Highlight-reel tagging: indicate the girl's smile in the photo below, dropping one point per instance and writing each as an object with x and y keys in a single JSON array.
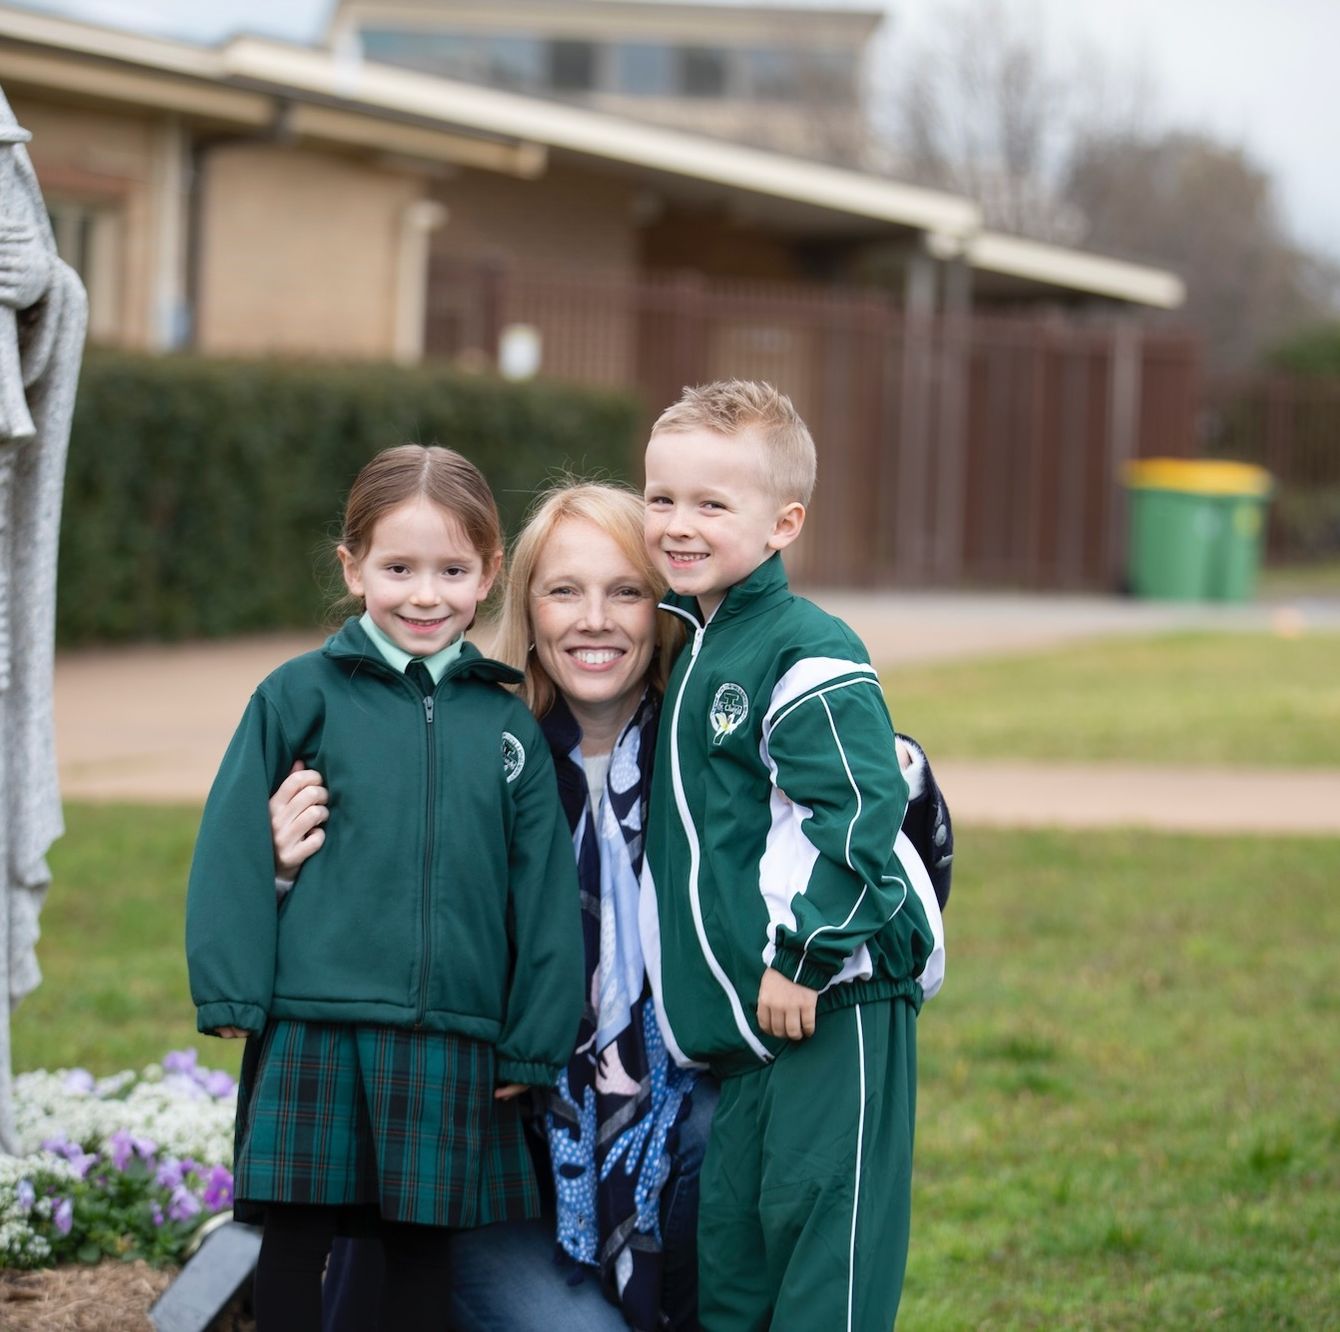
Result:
[{"x": 421, "y": 578}]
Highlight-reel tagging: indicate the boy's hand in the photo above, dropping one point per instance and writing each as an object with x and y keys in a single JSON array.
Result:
[
  {"x": 785, "y": 1008},
  {"x": 232, "y": 1033},
  {"x": 509, "y": 1090}
]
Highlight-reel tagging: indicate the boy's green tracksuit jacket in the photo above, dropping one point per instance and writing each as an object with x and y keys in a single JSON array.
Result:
[
  {"x": 774, "y": 813},
  {"x": 445, "y": 896}
]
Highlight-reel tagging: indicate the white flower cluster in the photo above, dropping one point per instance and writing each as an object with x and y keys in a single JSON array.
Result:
[
  {"x": 24, "y": 1197},
  {"x": 172, "y": 1109},
  {"x": 80, "y": 1132}
]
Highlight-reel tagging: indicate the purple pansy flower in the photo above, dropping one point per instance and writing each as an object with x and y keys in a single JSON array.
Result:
[
  {"x": 169, "y": 1174},
  {"x": 26, "y": 1195},
  {"x": 219, "y": 1084},
  {"x": 63, "y": 1217},
  {"x": 179, "y": 1061},
  {"x": 156, "y": 1212},
  {"x": 122, "y": 1147},
  {"x": 219, "y": 1189},
  {"x": 82, "y": 1162},
  {"x": 183, "y": 1204}
]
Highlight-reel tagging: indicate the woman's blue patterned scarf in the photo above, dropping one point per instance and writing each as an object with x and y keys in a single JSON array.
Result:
[{"x": 617, "y": 1102}]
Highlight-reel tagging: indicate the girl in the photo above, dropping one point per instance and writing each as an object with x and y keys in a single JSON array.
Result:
[{"x": 431, "y": 968}]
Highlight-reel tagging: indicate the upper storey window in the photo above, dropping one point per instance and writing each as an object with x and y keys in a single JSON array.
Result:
[{"x": 572, "y": 66}]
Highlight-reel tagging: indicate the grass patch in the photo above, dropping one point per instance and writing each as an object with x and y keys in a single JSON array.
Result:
[
  {"x": 114, "y": 991},
  {"x": 1237, "y": 699},
  {"x": 1127, "y": 1111}
]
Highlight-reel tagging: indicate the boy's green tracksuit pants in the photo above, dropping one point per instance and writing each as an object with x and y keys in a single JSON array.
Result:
[{"x": 806, "y": 1185}]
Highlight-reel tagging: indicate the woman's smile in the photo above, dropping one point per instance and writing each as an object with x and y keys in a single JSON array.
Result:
[
  {"x": 593, "y": 620},
  {"x": 596, "y": 658}
]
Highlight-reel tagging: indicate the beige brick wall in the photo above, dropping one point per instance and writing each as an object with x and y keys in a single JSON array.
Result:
[
  {"x": 102, "y": 159},
  {"x": 300, "y": 252},
  {"x": 567, "y": 224},
  {"x": 566, "y": 219}
]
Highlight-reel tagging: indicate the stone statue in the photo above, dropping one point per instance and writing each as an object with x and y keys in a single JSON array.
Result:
[{"x": 43, "y": 314}]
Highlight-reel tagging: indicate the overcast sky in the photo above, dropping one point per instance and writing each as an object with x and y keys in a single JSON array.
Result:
[{"x": 1262, "y": 73}]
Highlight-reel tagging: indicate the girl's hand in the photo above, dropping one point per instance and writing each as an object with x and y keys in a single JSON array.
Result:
[
  {"x": 297, "y": 811},
  {"x": 509, "y": 1090},
  {"x": 232, "y": 1033}
]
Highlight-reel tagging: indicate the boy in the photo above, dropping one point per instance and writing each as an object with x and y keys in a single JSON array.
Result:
[{"x": 794, "y": 947}]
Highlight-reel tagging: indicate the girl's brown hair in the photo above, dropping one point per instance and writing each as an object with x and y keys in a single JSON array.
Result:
[
  {"x": 618, "y": 513},
  {"x": 410, "y": 470}
]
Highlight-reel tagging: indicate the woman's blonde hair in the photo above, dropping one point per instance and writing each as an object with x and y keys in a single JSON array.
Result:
[{"x": 617, "y": 512}]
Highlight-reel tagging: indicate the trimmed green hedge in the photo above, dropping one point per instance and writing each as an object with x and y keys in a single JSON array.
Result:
[{"x": 201, "y": 495}]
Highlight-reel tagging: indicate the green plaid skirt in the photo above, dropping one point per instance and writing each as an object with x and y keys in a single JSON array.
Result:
[{"x": 380, "y": 1117}]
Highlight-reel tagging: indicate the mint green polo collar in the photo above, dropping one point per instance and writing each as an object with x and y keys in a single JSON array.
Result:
[{"x": 398, "y": 659}]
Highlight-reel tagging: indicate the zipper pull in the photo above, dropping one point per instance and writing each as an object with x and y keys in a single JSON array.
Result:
[
  {"x": 428, "y": 708},
  {"x": 697, "y": 643}
]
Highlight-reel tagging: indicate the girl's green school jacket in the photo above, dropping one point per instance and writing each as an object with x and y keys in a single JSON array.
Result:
[{"x": 445, "y": 896}]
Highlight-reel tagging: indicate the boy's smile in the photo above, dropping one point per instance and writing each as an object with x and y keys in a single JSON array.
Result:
[{"x": 712, "y": 517}]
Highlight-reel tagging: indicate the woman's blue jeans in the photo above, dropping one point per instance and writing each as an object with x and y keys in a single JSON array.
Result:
[{"x": 504, "y": 1278}]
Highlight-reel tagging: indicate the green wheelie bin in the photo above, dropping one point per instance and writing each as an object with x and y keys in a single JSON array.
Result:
[{"x": 1197, "y": 527}]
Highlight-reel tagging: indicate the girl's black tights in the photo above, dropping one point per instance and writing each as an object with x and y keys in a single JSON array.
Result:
[{"x": 414, "y": 1294}]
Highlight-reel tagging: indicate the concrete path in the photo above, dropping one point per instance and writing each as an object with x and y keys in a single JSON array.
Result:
[{"x": 151, "y": 723}]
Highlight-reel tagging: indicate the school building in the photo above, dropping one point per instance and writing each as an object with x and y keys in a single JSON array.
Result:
[{"x": 515, "y": 196}]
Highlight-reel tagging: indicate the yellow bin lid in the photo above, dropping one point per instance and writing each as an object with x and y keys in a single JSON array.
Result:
[{"x": 1198, "y": 476}]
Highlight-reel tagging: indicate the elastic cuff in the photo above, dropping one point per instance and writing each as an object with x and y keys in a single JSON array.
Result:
[
  {"x": 529, "y": 1072},
  {"x": 803, "y": 970},
  {"x": 223, "y": 1013}
]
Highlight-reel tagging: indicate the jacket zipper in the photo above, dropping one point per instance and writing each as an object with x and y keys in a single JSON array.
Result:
[
  {"x": 427, "y": 957},
  {"x": 695, "y": 855}
]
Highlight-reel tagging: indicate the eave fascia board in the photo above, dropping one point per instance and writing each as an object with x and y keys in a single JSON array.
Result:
[
  {"x": 373, "y": 87},
  {"x": 137, "y": 87},
  {"x": 1075, "y": 270},
  {"x": 61, "y": 34}
]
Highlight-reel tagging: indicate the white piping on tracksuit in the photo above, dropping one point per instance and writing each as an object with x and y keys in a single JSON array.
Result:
[
  {"x": 695, "y": 859},
  {"x": 788, "y": 858}
]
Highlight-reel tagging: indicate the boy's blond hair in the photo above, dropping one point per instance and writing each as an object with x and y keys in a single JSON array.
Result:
[{"x": 732, "y": 406}]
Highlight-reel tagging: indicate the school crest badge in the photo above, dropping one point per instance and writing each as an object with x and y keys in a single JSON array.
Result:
[
  {"x": 729, "y": 709},
  {"x": 514, "y": 756}
]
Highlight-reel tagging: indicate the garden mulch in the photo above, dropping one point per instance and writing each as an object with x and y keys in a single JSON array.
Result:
[
  {"x": 81, "y": 1299},
  {"x": 108, "y": 1297}
]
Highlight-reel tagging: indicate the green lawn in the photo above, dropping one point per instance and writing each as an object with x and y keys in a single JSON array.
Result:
[
  {"x": 1128, "y": 1107},
  {"x": 1241, "y": 699},
  {"x": 114, "y": 970},
  {"x": 1128, "y": 1099}
]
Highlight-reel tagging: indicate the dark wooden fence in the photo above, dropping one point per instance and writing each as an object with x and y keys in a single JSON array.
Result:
[
  {"x": 1291, "y": 426},
  {"x": 953, "y": 451}
]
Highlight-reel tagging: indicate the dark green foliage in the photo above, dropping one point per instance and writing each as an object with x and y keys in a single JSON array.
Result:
[
  {"x": 1314, "y": 351},
  {"x": 202, "y": 496}
]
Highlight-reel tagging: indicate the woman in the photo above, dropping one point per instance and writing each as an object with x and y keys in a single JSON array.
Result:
[{"x": 624, "y": 1128}]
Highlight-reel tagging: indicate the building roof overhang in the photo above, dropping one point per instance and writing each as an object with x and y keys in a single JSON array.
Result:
[{"x": 303, "y": 90}]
